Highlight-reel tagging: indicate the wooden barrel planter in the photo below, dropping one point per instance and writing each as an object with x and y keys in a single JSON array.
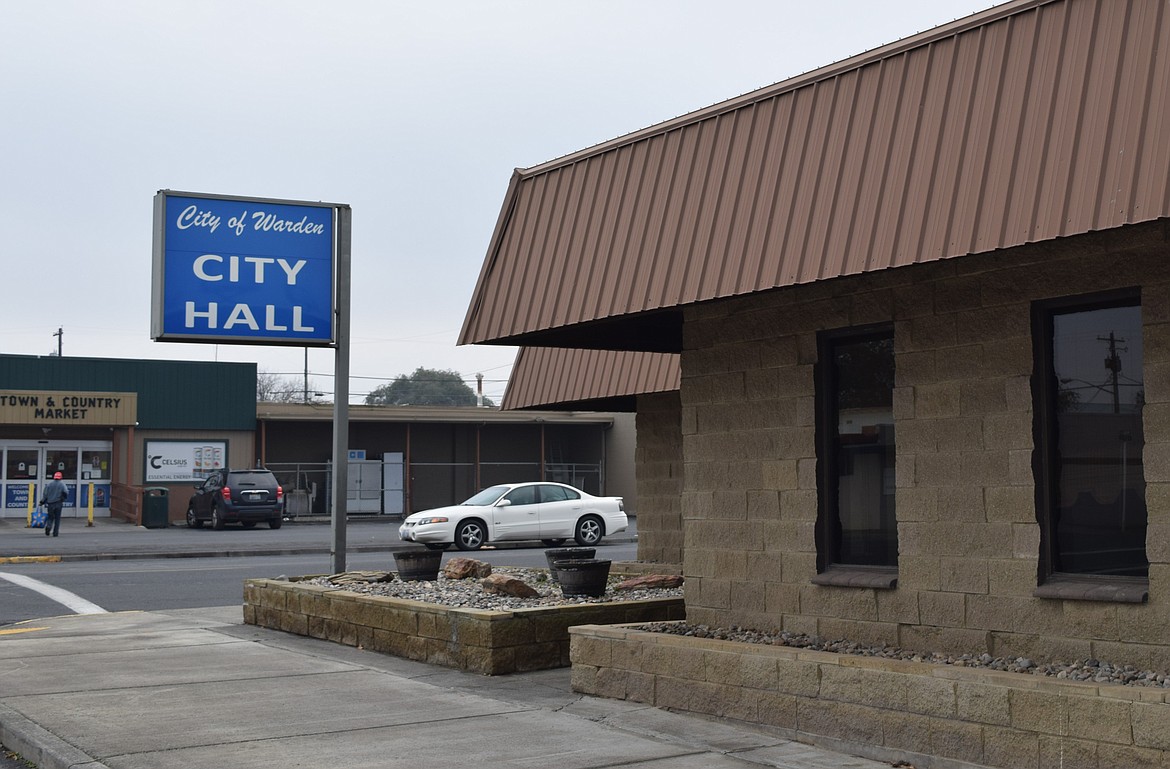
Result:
[
  {"x": 566, "y": 554},
  {"x": 418, "y": 565},
  {"x": 584, "y": 577}
]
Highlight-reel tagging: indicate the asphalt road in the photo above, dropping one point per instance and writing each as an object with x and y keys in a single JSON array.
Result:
[
  {"x": 162, "y": 584},
  {"x": 119, "y": 567}
]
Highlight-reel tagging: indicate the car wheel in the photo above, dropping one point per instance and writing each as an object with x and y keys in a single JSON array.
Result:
[
  {"x": 248, "y": 524},
  {"x": 553, "y": 542},
  {"x": 436, "y": 545},
  {"x": 274, "y": 523},
  {"x": 470, "y": 535},
  {"x": 192, "y": 521},
  {"x": 217, "y": 521},
  {"x": 589, "y": 531}
]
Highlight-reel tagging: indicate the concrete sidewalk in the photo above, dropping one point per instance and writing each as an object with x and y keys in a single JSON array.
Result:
[{"x": 196, "y": 688}]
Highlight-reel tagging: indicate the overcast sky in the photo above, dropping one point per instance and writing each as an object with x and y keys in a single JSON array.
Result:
[{"x": 413, "y": 113}]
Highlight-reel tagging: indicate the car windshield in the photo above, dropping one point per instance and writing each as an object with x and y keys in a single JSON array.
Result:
[{"x": 488, "y": 496}]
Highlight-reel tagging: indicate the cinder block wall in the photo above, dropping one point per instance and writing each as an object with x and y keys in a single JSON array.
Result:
[
  {"x": 659, "y": 463},
  {"x": 900, "y": 712},
  {"x": 967, "y": 529}
]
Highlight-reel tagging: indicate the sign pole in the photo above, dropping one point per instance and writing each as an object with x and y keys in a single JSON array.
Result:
[
  {"x": 290, "y": 287},
  {"x": 341, "y": 394}
]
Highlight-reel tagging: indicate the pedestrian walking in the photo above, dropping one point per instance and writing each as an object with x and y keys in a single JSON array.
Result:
[{"x": 53, "y": 498}]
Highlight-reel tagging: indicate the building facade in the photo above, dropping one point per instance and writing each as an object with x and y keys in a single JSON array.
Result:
[
  {"x": 117, "y": 428},
  {"x": 919, "y": 303},
  {"x": 914, "y": 322},
  {"x": 902, "y": 462},
  {"x": 409, "y": 458},
  {"x": 113, "y": 427}
]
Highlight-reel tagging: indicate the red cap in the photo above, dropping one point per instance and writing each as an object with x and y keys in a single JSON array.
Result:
[{"x": 57, "y": 476}]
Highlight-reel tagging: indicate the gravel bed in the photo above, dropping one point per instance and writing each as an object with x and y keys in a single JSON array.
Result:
[
  {"x": 1090, "y": 670},
  {"x": 467, "y": 593}
]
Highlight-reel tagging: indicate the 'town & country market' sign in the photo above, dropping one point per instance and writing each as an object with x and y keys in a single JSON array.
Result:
[
  {"x": 67, "y": 407},
  {"x": 244, "y": 270}
]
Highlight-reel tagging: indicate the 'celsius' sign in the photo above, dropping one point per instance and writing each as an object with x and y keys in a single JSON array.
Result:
[{"x": 245, "y": 270}]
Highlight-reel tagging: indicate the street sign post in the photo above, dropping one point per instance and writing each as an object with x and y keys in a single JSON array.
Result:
[{"x": 241, "y": 270}]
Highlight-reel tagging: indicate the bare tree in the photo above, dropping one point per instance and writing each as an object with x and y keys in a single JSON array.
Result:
[{"x": 273, "y": 388}]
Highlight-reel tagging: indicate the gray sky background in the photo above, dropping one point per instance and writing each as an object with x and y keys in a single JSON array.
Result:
[{"x": 413, "y": 113}]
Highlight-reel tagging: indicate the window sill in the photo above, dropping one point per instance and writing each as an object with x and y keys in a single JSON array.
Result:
[
  {"x": 1113, "y": 589},
  {"x": 877, "y": 577}
]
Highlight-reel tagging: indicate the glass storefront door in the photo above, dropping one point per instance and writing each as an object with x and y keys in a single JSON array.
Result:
[{"x": 84, "y": 466}]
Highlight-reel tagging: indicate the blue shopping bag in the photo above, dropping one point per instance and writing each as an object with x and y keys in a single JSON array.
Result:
[{"x": 38, "y": 518}]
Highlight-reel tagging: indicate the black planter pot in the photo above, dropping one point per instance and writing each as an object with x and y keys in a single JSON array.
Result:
[
  {"x": 418, "y": 565},
  {"x": 587, "y": 577},
  {"x": 566, "y": 554}
]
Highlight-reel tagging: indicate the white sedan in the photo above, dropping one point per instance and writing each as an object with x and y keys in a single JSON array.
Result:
[{"x": 550, "y": 512}]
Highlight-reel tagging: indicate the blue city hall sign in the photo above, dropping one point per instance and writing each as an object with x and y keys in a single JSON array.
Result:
[{"x": 245, "y": 270}]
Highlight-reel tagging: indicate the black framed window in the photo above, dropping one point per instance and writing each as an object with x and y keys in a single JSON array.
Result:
[
  {"x": 1091, "y": 502},
  {"x": 855, "y": 385}
]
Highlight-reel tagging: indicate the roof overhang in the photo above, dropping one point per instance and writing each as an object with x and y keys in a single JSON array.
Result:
[
  {"x": 1025, "y": 123},
  {"x": 597, "y": 380},
  {"x": 657, "y": 331}
]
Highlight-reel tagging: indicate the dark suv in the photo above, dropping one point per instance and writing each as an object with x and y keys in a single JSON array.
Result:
[{"x": 237, "y": 496}]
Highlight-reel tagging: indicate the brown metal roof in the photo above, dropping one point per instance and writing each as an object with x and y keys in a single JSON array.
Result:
[
  {"x": 602, "y": 380},
  {"x": 1026, "y": 122}
]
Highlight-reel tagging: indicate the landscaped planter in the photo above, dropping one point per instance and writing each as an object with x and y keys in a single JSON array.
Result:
[
  {"x": 885, "y": 709},
  {"x": 488, "y": 642}
]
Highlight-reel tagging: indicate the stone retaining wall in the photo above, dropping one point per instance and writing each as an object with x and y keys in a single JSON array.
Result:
[
  {"x": 488, "y": 642},
  {"x": 932, "y": 716}
]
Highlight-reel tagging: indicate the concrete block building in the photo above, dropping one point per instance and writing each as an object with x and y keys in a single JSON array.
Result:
[{"x": 919, "y": 301}]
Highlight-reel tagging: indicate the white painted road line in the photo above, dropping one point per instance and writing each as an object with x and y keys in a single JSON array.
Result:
[{"x": 74, "y": 603}]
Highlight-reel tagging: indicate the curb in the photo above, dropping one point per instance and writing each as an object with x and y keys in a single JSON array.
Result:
[{"x": 39, "y": 746}]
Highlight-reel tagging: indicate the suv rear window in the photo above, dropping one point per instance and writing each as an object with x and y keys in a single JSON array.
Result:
[{"x": 251, "y": 478}]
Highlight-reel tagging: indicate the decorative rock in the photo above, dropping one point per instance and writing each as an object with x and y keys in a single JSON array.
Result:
[
  {"x": 463, "y": 568},
  {"x": 501, "y": 584},
  {"x": 650, "y": 581},
  {"x": 467, "y": 593},
  {"x": 360, "y": 577},
  {"x": 1083, "y": 670}
]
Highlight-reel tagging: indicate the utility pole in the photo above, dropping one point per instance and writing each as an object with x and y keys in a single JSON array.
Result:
[
  {"x": 60, "y": 336},
  {"x": 479, "y": 390},
  {"x": 1113, "y": 363}
]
